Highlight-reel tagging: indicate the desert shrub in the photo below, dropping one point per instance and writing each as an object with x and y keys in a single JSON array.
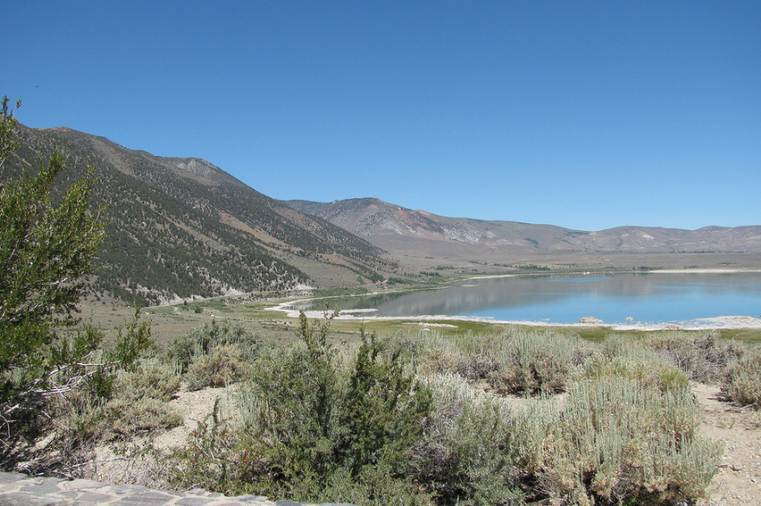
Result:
[
  {"x": 437, "y": 355},
  {"x": 618, "y": 441},
  {"x": 124, "y": 418},
  {"x": 532, "y": 363},
  {"x": 151, "y": 378},
  {"x": 223, "y": 365},
  {"x": 133, "y": 341},
  {"x": 373, "y": 485},
  {"x": 135, "y": 405},
  {"x": 528, "y": 433},
  {"x": 704, "y": 358},
  {"x": 462, "y": 457},
  {"x": 621, "y": 358},
  {"x": 202, "y": 340},
  {"x": 308, "y": 429},
  {"x": 516, "y": 362},
  {"x": 742, "y": 381}
]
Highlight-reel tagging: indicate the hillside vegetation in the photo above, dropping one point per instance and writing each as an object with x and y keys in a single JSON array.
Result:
[{"x": 178, "y": 227}]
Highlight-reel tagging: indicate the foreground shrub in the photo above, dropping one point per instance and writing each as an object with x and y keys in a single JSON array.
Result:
[
  {"x": 463, "y": 457},
  {"x": 223, "y": 365},
  {"x": 533, "y": 363},
  {"x": 742, "y": 381},
  {"x": 309, "y": 429},
  {"x": 618, "y": 441},
  {"x": 49, "y": 238}
]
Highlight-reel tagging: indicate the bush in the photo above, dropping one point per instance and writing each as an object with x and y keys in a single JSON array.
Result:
[
  {"x": 462, "y": 457},
  {"x": 703, "y": 358},
  {"x": 151, "y": 379},
  {"x": 223, "y": 365},
  {"x": 48, "y": 241},
  {"x": 202, "y": 340},
  {"x": 533, "y": 363},
  {"x": 124, "y": 418},
  {"x": 619, "y": 441},
  {"x": 374, "y": 485},
  {"x": 132, "y": 342},
  {"x": 309, "y": 429},
  {"x": 625, "y": 359},
  {"x": 742, "y": 381},
  {"x": 136, "y": 404}
]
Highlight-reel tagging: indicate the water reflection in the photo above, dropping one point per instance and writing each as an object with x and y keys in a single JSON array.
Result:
[{"x": 564, "y": 299}]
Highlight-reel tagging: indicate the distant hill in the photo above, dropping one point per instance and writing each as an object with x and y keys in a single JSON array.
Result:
[
  {"x": 179, "y": 227},
  {"x": 406, "y": 232}
]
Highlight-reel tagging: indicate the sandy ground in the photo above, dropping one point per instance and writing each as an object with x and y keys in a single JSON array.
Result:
[
  {"x": 112, "y": 466},
  {"x": 739, "y": 479},
  {"x": 194, "y": 407}
]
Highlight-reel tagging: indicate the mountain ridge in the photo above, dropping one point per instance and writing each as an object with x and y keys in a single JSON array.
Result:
[
  {"x": 418, "y": 233},
  {"x": 181, "y": 226}
]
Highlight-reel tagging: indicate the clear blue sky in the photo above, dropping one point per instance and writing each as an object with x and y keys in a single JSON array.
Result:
[{"x": 583, "y": 114}]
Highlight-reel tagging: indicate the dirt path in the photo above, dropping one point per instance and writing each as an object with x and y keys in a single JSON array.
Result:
[{"x": 739, "y": 479}]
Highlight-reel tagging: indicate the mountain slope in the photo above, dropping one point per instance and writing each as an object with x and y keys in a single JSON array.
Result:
[
  {"x": 182, "y": 226},
  {"x": 403, "y": 231}
]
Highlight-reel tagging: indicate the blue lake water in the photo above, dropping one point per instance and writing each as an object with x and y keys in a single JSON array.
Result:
[{"x": 614, "y": 298}]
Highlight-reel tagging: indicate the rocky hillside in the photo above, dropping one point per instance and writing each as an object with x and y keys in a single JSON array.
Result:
[
  {"x": 398, "y": 229},
  {"x": 179, "y": 227}
]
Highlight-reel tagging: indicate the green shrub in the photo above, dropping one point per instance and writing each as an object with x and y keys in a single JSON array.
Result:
[
  {"x": 223, "y": 365},
  {"x": 373, "y": 485},
  {"x": 49, "y": 236},
  {"x": 308, "y": 428},
  {"x": 742, "y": 381},
  {"x": 132, "y": 342},
  {"x": 619, "y": 441}
]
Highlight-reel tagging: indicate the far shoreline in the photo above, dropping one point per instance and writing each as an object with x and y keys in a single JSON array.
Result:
[{"x": 728, "y": 322}]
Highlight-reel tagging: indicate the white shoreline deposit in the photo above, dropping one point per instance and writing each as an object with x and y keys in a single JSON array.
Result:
[{"x": 713, "y": 323}]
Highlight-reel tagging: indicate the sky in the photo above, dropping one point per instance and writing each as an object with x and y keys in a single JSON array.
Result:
[{"x": 582, "y": 114}]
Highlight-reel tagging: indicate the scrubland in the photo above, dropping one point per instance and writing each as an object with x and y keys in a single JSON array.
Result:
[{"x": 514, "y": 417}]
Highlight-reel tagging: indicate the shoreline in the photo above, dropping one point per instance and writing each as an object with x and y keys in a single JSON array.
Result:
[
  {"x": 360, "y": 315},
  {"x": 734, "y": 322},
  {"x": 698, "y": 270}
]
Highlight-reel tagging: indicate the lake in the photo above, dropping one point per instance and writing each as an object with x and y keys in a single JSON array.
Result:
[{"x": 613, "y": 298}]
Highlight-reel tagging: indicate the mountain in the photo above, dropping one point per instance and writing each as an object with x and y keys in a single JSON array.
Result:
[
  {"x": 179, "y": 227},
  {"x": 413, "y": 233}
]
